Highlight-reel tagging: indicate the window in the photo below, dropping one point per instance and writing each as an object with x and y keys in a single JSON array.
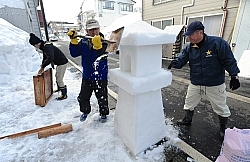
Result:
[
  {"x": 160, "y": 1},
  {"x": 108, "y": 5},
  {"x": 157, "y": 24},
  {"x": 162, "y": 23},
  {"x": 166, "y": 23},
  {"x": 156, "y": 1},
  {"x": 212, "y": 24},
  {"x": 126, "y": 7}
]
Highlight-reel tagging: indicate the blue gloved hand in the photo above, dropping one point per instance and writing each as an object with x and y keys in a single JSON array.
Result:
[
  {"x": 234, "y": 83},
  {"x": 172, "y": 64}
]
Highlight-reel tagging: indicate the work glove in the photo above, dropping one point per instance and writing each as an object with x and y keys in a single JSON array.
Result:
[
  {"x": 234, "y": 83},
  {"x": 97, "y": 42},
  {"x": 172, "y": 64},
  {"x": 72, "y": 35}
]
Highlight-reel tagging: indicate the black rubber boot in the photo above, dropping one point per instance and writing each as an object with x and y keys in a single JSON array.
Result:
[
  {"x": 223, "y": 125},
  {"x": 64, "y": 93},
  {"x": 187, "y": 120}
]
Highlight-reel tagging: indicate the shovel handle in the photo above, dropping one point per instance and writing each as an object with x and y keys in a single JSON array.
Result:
[{"x": 89, "y": 37}]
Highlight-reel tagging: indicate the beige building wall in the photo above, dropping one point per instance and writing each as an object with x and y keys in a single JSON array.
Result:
[{"x": 180, "y": 10}]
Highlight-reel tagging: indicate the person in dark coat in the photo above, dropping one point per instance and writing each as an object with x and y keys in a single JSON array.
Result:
[
  {"x": 54, "y": 56},
  {"x": 208, "y": 57},
  {"x": 95, "y": 69}
]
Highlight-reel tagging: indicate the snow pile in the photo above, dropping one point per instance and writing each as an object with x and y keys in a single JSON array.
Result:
[{"x": 17, "y": 56}]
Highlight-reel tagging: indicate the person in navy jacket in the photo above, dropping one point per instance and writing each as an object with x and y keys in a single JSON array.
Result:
[
  {"x": 208, "y": 57},
  {"x": 95, "y": 69}
]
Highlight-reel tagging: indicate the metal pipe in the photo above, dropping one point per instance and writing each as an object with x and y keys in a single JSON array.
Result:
[
  {"x": 44, "y": 21},
  {"x": 182, "y": 10},
  {"x": 224, "y": 8}
]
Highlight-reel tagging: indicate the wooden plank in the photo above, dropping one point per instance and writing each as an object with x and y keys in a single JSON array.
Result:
[
  {"x": 54, "y": 131},
  {"x": 48, "y": 85},
  {"x": 37, "y": 90},
  {"x": 43, "y": 87},
  {"x": 31, "y": 131}
]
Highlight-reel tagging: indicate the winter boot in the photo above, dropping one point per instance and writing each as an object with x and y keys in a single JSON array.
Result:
[
  {"x": 83, "y": 117},
  {"x": 187, "y": 120},
  {"x": 223, "y": 125},
  {"x": 64, "y": 93},
  {"x": 103, "y": 118}
]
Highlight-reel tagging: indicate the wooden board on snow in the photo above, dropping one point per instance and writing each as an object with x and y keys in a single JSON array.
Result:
[
  {"x": 54, "y": 131},
  {"x": 31, "y": 131}
]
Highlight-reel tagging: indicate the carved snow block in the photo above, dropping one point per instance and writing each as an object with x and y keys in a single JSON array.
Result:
[{"x": 140, "y": 126}]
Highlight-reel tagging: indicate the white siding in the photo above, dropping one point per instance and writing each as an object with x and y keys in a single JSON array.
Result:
[
  {"x": 176, "y": 9},
  {"x": 241, "y": 36}
]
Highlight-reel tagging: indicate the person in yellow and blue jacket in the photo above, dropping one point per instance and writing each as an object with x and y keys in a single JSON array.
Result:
[{"x": 95, "y": 69}]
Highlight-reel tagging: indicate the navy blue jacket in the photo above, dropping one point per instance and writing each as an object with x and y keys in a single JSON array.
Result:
[
  {"x": 209, "y": 61},
  {"x": 94, "y": 63}
]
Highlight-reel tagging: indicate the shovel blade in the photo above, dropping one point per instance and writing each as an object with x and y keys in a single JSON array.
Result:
[{"x": 115, "y": 36}]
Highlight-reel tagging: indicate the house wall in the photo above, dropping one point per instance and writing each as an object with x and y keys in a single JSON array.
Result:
[
  {"x": 23, "y": 18},
  {"x": 241, "y": 34},
  {"x": 107, "y": 17},
  {"x": 176, "y": 9},
  {"x": 15, "y": 16},
  {"x": 94, "y": 9}
]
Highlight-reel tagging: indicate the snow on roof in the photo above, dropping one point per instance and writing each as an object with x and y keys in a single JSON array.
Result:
[{"x": 12, "y": 3}]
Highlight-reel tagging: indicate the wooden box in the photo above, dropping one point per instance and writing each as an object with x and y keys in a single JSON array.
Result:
[{"x": 43, "y": 87}]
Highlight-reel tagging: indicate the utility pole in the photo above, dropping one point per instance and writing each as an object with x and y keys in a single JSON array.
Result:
[{"x": 44, "y": 21}]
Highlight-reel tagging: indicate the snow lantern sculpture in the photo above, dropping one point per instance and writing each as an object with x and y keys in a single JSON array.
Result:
[{"x": 139, "y": 116}]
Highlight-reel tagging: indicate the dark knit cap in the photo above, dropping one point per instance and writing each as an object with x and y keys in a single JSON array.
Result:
[
  {"x": 34, "y": 39},
  {"x": 194, "y": 26}
]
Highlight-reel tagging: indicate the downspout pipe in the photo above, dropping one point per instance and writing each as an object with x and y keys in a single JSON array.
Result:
[
  {"x": 224, "y": 8},
  {"x": 182, "y": 10},
  {"x": 44, "y": 20}
]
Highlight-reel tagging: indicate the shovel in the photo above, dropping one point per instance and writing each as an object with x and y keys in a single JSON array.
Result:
[
  {"x": 113, "y": 42},
  {"x": 89, "y": 37}
]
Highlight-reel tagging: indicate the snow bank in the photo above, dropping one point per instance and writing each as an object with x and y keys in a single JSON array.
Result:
[{"x": 17, "y": 56}]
